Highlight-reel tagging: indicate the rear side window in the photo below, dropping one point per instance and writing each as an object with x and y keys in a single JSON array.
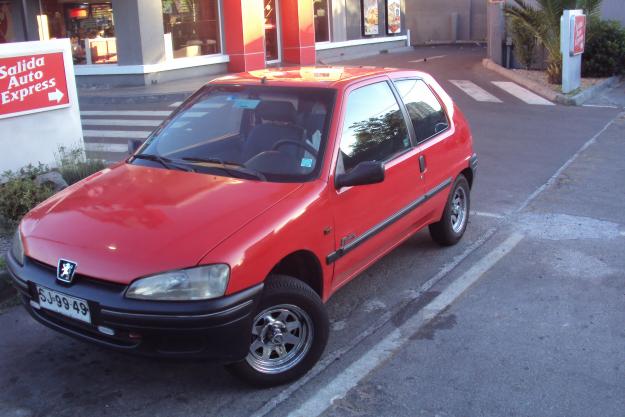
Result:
[
  {"x": 426, "y": 112},
  {"x": 374, "y": 128}
]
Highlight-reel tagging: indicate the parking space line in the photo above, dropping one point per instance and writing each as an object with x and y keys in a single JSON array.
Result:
[
  {"x": 175, "y": 104},
  {"x": 429, "y": 58},
  {"x": 143, "y": 113},
  {"x": 522, "y": 94},
  {"x": 120, "y": 122},
  {"x": 486, "y": 214},
  {"x": 474, "y": 91},
  {"x": 383, "y": 350},
  {"x": 130, "y": 134}
]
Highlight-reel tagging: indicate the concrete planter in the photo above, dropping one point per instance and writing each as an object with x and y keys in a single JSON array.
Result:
[{"x": 566, "y": 99}]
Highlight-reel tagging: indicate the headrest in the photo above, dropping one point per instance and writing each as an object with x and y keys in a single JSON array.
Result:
[{"x": 277, "y": 111}]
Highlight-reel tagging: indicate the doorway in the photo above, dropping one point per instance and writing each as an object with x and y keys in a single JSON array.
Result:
[{"x": 272, "y": 32}]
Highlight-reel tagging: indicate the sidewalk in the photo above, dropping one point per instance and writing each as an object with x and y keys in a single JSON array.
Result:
[
  {"x": 164, "y": 92},
  {"x": 541, "y": 333}
]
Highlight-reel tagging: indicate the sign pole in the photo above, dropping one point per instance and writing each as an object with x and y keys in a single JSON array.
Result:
[{"x": 572, "y": 40}]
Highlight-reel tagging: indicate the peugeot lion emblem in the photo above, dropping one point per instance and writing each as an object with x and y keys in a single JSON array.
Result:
[{"x": 65, "y": 271}]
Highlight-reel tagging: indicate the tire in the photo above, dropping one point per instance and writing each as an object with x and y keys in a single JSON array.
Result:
[
  {"x": 450, "y": 228},
  {"x": 288, "y": 346}
]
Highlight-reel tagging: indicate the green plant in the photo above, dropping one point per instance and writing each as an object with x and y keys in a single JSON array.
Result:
[
  {"x": 544, "y": 22},
  {"x": 19, "y": 193},
  {"x": 604, "y": 53},
  {"x": 524, "y": 43},
  {"x": 74, "y": 166}
]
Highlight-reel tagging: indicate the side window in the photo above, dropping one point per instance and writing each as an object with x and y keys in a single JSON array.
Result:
[
  {"x": 426, "y": 112},
  {"x": 374, "y": 128}
]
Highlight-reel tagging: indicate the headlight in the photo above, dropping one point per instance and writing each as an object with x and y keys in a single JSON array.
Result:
[
  {"x": 17, "y": 248},
  {"x": 199, "y": 283}
]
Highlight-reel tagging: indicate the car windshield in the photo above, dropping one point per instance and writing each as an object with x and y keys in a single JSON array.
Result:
[{"x": 263, "y": 132}]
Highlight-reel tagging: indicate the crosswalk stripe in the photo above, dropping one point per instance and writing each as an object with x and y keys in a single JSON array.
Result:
[
  {"x": 120, "y": 122},
  {"x": 175, "y": 104},
  {"x": 129, "y": 134},
  {"x": 474, "y": 91},
  {"x": 522, "y": 93},
  {"x": 143, "y": 113},
  {"x": 106, "y": 147}
]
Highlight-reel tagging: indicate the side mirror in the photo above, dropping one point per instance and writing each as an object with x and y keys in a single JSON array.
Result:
[
  {"x": 133, "y": 145},
  {"x": 368, "y": 172}
]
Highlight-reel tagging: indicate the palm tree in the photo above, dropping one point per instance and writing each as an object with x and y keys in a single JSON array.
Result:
[{"x": 543, "y": 21}]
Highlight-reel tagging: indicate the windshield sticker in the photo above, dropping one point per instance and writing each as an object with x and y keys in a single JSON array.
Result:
[
  {"x": 209, "y": 105},
  {"x": 306, "y": 163},
  {"x": 246, "y": 103}
]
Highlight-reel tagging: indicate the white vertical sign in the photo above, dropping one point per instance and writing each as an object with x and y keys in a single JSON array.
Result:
[{"x": 572, "y": 34}]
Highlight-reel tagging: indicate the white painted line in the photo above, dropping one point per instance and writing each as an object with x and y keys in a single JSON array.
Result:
[
  {"x": 383, "y": 350},
  {"x": 175, "y": 104},
  {"x": 120, "y": 122},
  {"x": 130, "y": 134},
  {"x": 522, "y": 93},
  {"x": 486, "y": 214},
  {"x": 142, "y": 113},
  {"x": 429, "y": 58},
  {"x": 106, "y": 147},
  {"x": 474, "y": 91},
  {"x": 380, "y": 322},
  {"x": 560, "y": 170},
  {"x": 602, "y": 106}
]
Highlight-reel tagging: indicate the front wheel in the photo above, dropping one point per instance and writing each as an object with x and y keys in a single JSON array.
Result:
[
  {"x": 288, "y": 335},
  {"x": 452, "y": 225}
]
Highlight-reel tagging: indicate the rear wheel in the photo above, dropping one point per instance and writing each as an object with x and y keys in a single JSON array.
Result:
[
  {"x": 452, "y": 225},
  {"x": 288, "y": 335}
]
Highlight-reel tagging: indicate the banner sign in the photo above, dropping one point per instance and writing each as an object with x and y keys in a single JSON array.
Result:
[
  {"x": 370, "y": 16},
  {"x": 32, "y": 83},
  {"x": 578, "y": 34},
  {"x": 393, "y": 17}
]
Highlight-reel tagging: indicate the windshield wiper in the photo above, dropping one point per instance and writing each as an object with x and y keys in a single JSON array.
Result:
[
  {"x": 240, "y": 168},
  {"x": 166, "y": 162}
]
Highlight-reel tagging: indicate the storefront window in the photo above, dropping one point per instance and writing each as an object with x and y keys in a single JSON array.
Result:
[
  {"x": 6, "y": 22},
  {"x": 89, "y": 25},
  {"x": 322, "y": 16},
  {"x": 191, "y": 27}
]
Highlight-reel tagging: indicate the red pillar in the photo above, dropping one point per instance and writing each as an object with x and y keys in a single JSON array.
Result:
[
  {"x": 298, "y": 32},
  {"x": 244, "y": 28}
]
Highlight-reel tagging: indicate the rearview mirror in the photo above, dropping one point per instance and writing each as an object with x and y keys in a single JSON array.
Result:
[
  {"x": 133, "y": 145},
  {"x": 368, "y": 172}
]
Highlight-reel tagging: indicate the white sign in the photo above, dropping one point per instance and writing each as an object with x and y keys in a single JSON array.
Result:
[
  {"x": 38, "y": 103},
  {"x": 572, "y": 34}
]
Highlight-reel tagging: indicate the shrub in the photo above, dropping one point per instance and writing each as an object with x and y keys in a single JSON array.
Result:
[
  {"x": 19, "y": 193},
  {"x": 524, "y": 42},
  {"x": 604, "y": 53},
  {"x": 74, "y": 166}
]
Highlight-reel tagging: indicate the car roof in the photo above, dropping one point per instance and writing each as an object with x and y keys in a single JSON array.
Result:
[{"x": 309, "y": 76}]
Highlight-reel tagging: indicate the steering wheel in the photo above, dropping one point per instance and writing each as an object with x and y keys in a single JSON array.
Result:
[{"x": 302, "y": 144}]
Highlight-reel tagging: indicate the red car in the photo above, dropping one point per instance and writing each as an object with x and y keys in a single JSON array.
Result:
[{"x": 225, "y": 232}]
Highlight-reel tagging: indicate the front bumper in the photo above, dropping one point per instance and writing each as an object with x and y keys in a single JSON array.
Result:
[{"x": 217, "y": 329}]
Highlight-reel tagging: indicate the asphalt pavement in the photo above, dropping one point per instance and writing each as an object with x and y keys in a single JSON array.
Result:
[{"x": 523, "y": 317}]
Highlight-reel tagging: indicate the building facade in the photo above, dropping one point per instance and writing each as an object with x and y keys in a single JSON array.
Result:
[{"x": 141, "y": 42}]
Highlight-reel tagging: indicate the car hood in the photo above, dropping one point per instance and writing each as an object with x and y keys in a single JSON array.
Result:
[{"x": 130, "y": 221}]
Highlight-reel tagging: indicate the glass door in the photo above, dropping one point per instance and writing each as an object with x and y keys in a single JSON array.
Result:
[{"x": 272, "y": 32}]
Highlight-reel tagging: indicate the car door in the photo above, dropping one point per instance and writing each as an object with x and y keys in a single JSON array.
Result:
[
  {"x": 372, "y": 219},
  {"x": 437, "y": 141}
]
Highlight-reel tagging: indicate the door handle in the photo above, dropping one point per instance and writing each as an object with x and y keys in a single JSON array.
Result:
[{"x": 422, "y": 166}]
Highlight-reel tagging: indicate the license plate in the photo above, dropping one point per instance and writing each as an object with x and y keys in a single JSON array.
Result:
[{"x": 74, "y": 308}]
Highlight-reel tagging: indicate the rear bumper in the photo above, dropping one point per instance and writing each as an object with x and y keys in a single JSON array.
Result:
[{"x": 217, "y": 329}]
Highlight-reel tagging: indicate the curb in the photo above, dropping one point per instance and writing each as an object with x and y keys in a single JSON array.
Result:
[
  {"x": 133, "y": 98},
  {"x": 549, "y": 94},
  {"x": 6, "y": 288}
]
